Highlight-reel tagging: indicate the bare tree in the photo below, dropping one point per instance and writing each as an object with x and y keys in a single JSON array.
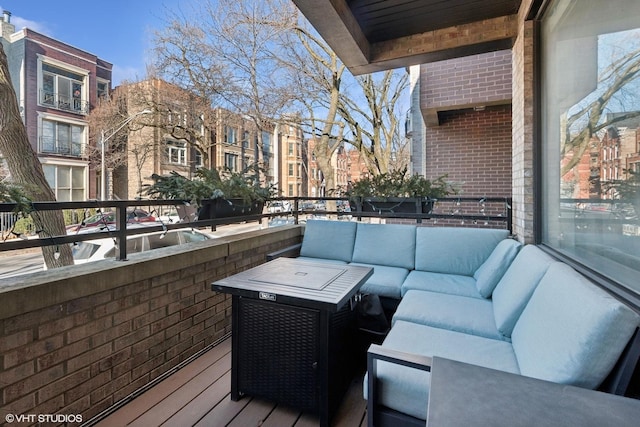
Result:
[
  {"x": 579, "y": 126},
  {"x": 109, "y": 120},
  {"x": 376, "y": 126},
  {"x": 225, "y": 52},
  {"x": 26, "y": 169},
  {"x": 316, "y": 73},
  {"x": 334, "y": 100}
]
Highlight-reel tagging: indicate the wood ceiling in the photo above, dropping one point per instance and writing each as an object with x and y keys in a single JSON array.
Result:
[{"x": 374, "y": 35}]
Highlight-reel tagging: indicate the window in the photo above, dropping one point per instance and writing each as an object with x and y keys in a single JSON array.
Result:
[
  {"x": 266, "y": 144},
  {"x": 176, "y": 152},
  {"x": 230, "y": 135},
  {"x": 245, "y": 139},
  {"x": 198, "y": 159},
  {"x": 102, "y": 89},
  {"x": 291, "y": 149},
  {"x": 590, "y": 94},
  {"x": 291, "y": 190},
  {"x": 63, "y": 89},
  {"x": 290, "y": 169},
  {"x": 61, "y": 138},
  {"x": 231, "y": 161},
  {"x": 67, "y": 182}
]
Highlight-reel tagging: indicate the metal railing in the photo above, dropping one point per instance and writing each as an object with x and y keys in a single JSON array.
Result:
[
  {"x": 459, "y": 211},
  {"x": 49, "y": 145},
  {"x": 63, "y": 102}
]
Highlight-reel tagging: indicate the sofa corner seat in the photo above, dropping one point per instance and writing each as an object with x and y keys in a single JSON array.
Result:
[{"x": 570, "y": 332}]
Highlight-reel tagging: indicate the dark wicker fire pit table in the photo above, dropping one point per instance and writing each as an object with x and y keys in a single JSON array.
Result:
[{"x": 294, "y": 333}]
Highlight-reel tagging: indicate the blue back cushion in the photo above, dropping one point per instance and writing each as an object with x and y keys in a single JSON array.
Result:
[
  {"x": 514, "y": 289},
  {"x": 455, "y": 250},
  {"x": 393, "y": 245},
  {"x": 491, "y": 271},
  {"x": 571, "y": 332},
  {"x": 329, "y": 240}
]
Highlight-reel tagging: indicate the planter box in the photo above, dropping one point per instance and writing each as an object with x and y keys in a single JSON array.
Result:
[
  {"x": 389, "y": 204},
  {"x": 225, "y": 208}
]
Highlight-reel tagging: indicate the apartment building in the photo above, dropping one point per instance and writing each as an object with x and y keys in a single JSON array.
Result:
[
  {"x": 235, "y": 143},
  {"x": 356, "y": 166},
  {"x": 292, "y": 175},
  {"x": 172, "y": 131},
  {"x": 56, "y": 85},
  {"x": 339, "y": 169}
]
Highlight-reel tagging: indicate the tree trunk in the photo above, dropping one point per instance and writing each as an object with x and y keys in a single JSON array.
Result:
[{"x": 26, "y": 169}]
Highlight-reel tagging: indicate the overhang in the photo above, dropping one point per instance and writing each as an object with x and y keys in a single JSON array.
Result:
[{"x": 376, "y": 35}]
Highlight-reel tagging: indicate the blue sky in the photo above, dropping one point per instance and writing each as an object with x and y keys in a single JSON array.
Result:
[{"x": 118, "y": 31}]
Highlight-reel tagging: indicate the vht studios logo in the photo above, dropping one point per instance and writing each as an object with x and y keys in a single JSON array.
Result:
[{"x": 43, "y": 418}]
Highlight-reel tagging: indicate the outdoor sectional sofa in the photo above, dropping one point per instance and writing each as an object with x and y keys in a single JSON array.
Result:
[{"x": 479, "y": 297}]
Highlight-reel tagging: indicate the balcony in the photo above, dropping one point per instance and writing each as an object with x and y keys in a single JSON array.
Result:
[
  {"x": 64, "y": 102},
  {"x": 49, "y": 145},
  {"x": 145, "y": 341},
  {"x": 198, "y": 395},
  {"x": 145, "y": 336}
]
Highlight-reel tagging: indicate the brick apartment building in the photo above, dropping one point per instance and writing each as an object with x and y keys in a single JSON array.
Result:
[
  {"x": 291, "y": 152},
  {"x": 340, "y": 170},
  {"x": 184, "y": 133},
  {"x": 56, "y": 85}
]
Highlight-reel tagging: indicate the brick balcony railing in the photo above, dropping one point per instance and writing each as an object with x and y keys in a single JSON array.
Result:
[{"x": 79, "y": 339}]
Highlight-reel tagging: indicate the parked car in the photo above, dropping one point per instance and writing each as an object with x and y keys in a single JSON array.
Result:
[
  {"x": 109, "y": 217},
  {"x": 276, "y": 206},
  {"x": 93, "y": 250}
]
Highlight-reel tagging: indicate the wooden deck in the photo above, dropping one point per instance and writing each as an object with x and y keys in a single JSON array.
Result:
[{"x": 199, "y": 395}]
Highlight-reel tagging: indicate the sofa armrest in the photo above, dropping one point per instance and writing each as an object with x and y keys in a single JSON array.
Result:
[
  {"x": 377, "y": 352},
  {"x": 288, "y": 252}
]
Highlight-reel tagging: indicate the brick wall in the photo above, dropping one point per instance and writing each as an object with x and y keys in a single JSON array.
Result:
[
  {"x": 473, "y": 148},
  {"x": 523, "y": 128},
  {"x": 78, "y": 339},
  {"x": 477, "y": 80}
]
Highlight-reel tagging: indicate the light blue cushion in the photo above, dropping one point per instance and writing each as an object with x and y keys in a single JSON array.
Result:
[
  {"x": 328, "y": 239},
  {"x": 463, "y": 314},
  {"x": 407, "y": 389},
  {"x": 438, "y": 282},
  {"x": 516, "y": 286},
  {"x": 455, "y": 250},
  {"x": 571, "y": 332},
  {"x": 385, "y": 281},
  {"x": 393, "y": 245},
  {"x": 322, "y": 260},
  {"x": 490, "y": 272}
]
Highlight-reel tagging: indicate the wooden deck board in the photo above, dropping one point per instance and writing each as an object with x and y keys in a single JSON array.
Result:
[
  {"x": 199, "y": 395},
  {"x": 281, "y": 416}
]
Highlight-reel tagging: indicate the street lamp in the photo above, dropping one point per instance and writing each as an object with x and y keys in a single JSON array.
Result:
[{"x": 103, "y": 140}]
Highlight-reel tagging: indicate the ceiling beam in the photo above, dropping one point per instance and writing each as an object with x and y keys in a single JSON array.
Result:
[
  {"x": 338, "y": 27},
  {"x": 462, "y": 40},
  {"x": 335, "y": 22}
]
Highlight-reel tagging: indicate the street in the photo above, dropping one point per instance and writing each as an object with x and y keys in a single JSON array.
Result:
[
  {"x": 23, "y": 263},
  {"x": 31, "y": 261}
]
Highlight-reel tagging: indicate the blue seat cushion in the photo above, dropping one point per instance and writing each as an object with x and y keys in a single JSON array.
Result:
[
  {"x": 385, "y": 281},
  {"x": 491, "y": 271},
  {"x": 571, "y": 332},
  {"x": 455, "y": 250},
  {"x": 323, "y": 260},
  {"x": 439, "y": 282},
  {"x": 329, "y": 240},
  {"x": 516, "y": 286},
  {"x": 407, "y": 389},
  {"x": 393, "y": 245},
  {"x": 456, "y": 313}
]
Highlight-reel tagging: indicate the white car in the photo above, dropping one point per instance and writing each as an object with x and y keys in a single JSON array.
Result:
[{"x": 93, "y": 250}]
